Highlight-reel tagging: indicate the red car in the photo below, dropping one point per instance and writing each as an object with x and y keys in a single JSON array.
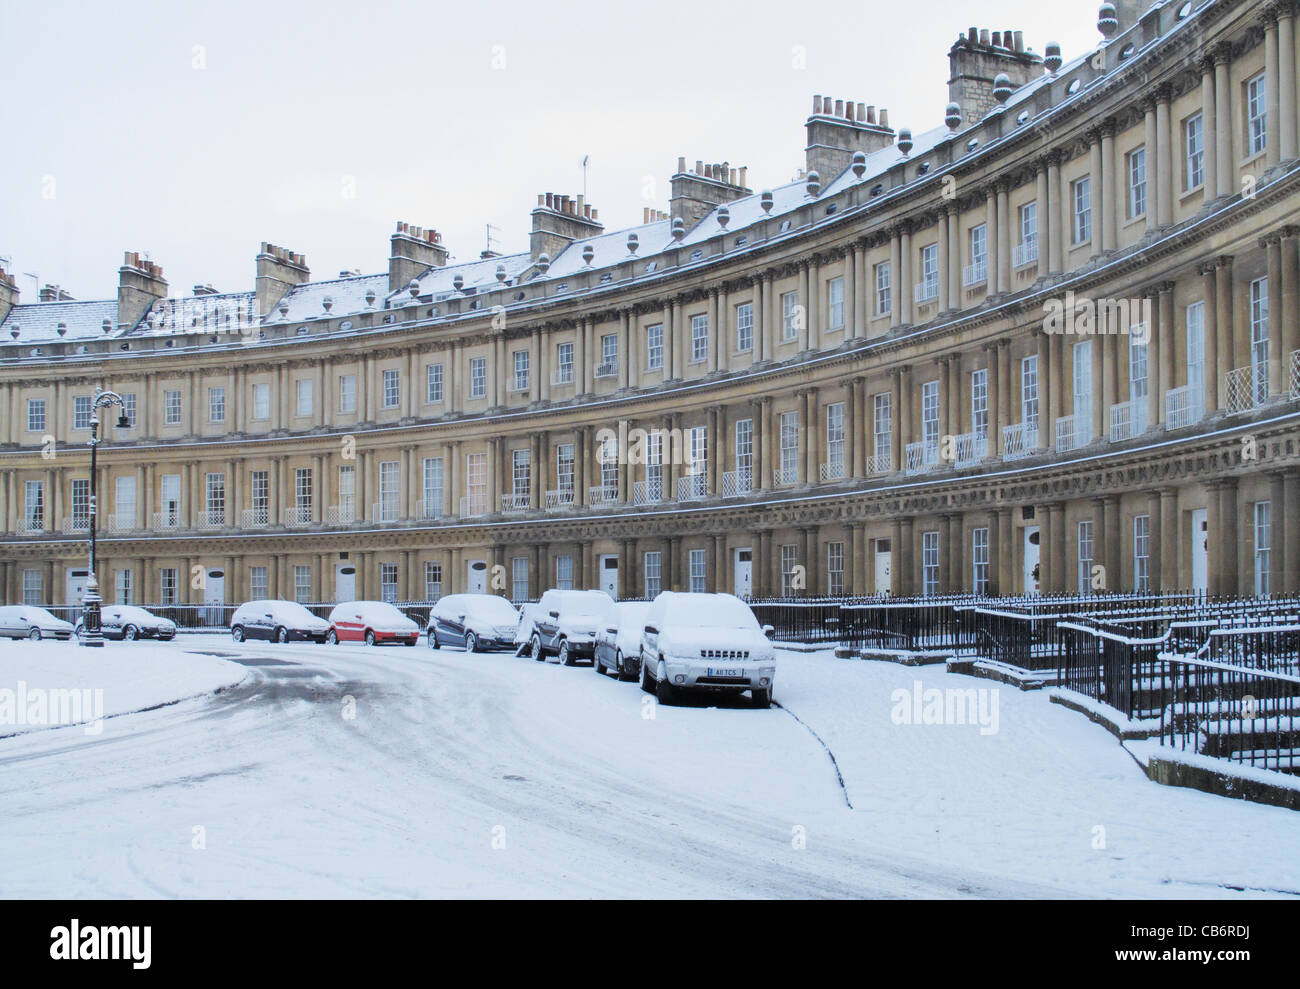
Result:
[{"x": 371, "y": 622}]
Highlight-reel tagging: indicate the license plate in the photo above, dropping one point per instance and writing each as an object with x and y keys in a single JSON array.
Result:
[{"x": 724, "y": 673}]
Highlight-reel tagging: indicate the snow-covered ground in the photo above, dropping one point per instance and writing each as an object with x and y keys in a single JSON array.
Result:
[{"x": 350, "y": 771}]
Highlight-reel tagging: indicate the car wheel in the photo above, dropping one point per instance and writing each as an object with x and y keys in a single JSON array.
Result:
[
  {"x": 237, "y": 633},
  {"x": 331, "y": 638},
  {"x": 646, "y": 683},
  {"x": 620, "y": 668},
  {"x": 537, "y": 652},
  {"x": 565, "y": 657},
  {"x": 282, "y": 635},
  {"x": 433, "y": 638},
  {"x": 471, "y": 642},
  {"x": 34, "y": 635},
  {"x": 762, "y": 697},
  {"x": 129, "y": 633},
  {"x": 665, "y": 692},
  {"x": 370, "y": 636}
]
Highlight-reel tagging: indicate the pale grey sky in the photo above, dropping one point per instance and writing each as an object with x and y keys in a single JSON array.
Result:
[{"x": 196, "y": 131}]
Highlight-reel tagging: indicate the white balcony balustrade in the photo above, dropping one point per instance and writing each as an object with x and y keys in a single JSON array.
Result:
[
  {"x": 77, "y": 523},
  {"x": 1128, "y": 419},
  {"x": 880, "y": 462},
  {"x": 975, "y": 274},
  {"x": 1019, "y": 440},
  {"x": 602, "y": 496},
  {"x": 607, "y": 369},
  {"x": 1293, "y": 376},
  {"x": 833, "y": 470},
  {"x": 211, "y": 518},
  {"x": 693, "y": 487},
  {"x": 1072, "y": 433},
  {"x": 1246, "y": 388},
  {"x": 562, "y": 375},
  {"x": 1184, "y": 406},
  {"x": 737, "y": 483},
  {"x": 970, "y": 449},
  {"x": 649, "y": 492},
  {"x": 385, "y": 512},
  {"x": 31, "y": 526},
  {"x": 297, "y": 517},
  {"x": 344, "y": 513},
  {"x": 428, "y": 509},
  {"x": 785, "y": 476},
  {"x": 561, "y": 498},
  {"x": 926, "y": 291},
  {"x": 255, "y": 518},
  {"x": 474, "y": 504},
  {"x": 166, "y": 520},
  {"x": 921, "y": 457},
  {"x": 120, "y": 523},
  {"x": 1023, "y": 255},
  {"x": 515, "y": 504}
]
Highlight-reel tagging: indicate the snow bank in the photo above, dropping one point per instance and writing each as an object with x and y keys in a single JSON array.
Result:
[{"x": 56, "y": 684}]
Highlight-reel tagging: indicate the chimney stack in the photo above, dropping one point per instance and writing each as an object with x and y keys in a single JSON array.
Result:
[
  {"x": 697, "y": 193},
  {"x": 977, "y": 58},
  {"x": 414, "y": 250},
  {"x": 140, "y": 284},
  {"x": 278, "y": 270},
  {"x": 560, "y": 220},
  {"x": 8, "y": 294},
  {"x": 837, "y": 130},
  {"x": 52, "y": 293}
]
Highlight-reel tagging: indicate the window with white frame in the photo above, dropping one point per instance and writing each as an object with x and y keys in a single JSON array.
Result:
[
  {"x": 654, "y": 469},
  {"x": 261, "y": 401},
  {"x": 171, "y": 408},
  {"x": 521, "y": 359},
  {"x": 347, "y": 393},
  {"x": 388, "y": 582},
  {"x": 302, "y": 492},
  {"x": 564, "y": 573},
  {"x": 1256, "y": 115},
  {"x": 697, "y": 563},
  {"x": 257, "y": 582},
  {"x": 1084, "y": 543},
  {"x": 564, "y": 468},
  {"x": 789, "y": 447},
  {"x": 347, "y": 493},
  {"x": 215, "y": 503},
  {"x": 1263, "y": 546},
  {"x": 81, "y": 412},
  {"x": 564, "y": 362},
  {"x": 34, "y": 506},
  {"x": 1137, "y": 381},
  {"x": 835, "y": 304},
  {"x": 124, "y": 501},
  {"x": 789, "y": 316},
  {"x": 123, "y": 582},
  {"x": 697, "y": 454},
  {"x": 302, "y": 584},
  {"x": 216, "y": 405},
  {"x": 882, "y": 429},
  {"x": 1195, "y": 323},
  {"x": 652, "y": 564},
  {"x": 81, "y": 502},
  {"x": 33, "y": 594},
  {"x": 654, "y": 347},
  {"x": 476, "y": 482},
  {"x": 168, "y": 585},
  {"x": 478, "y": 377},
  {"x": 521, "y": 474},
  {"x": 930, "y": 563},
  {"x": 743, "y": 450},
  {"x": 1141, "y": 553},
  {"x": 979, "y": 254},
  {"x": 432, "y": 580},
  {"x": 835, "y": 439},
  {"x": 392, "y": 388},
  {"x": 979, "y": 402},
  {"x": 1081, "y": 198},
  {"x": 1082, "y": 391},
  {"x": 835, "y": 568},
  {"x": 259, "y": 487},
  {"x": 305, "y": 398},
  {"x": 744, "y": 327},
  {"x": 979, "y": 561},
  {"x": 1029, "y": 393},
  {"x": 432, "y": 487},
  {"x": 609, "y": 352},
  {"x": 1259, "y": 342},
  {"x": 789, "y": 569},
  {"x": 884, "y": 295},
  {"x": 433, "y": 384},
  {"x": 1029, "y": 231},
  {"x": 930, "y": 417},
  {"x": 36, "y": 415},
  {"x": 699, "y": 338},
  {"x": 519, "y": 578},
  {"x": 1137, "y": 182},
  {"x": 390, "y": 477},
  {"x": 930, "y": 271},
  {"x": 1193, "y": 152},
  {"x": 128, "y": 407}
]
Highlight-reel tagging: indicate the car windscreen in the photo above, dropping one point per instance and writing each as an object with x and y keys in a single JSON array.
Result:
[
  {"x": 290, "y": 611},
  {"x": 710, "y": 611},
  {"x": 491, "y": 608}
]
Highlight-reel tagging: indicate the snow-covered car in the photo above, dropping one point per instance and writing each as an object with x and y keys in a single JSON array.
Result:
[
  {"x": 128, "y": 622},
  {"x": 566, "y": 625},
  {"x": 479, "y": 622},
  {"x": 618, "y": 642},
  {"x": 705, "y": 642},
  {"x": 278, "y": 621},
  {"x": 25, "y": 621},
  {"x": 371, "y": 622},
  {"x": 524, "y": 630}
]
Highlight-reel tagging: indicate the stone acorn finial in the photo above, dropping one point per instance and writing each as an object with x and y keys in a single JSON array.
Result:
[
  {"x": 370, "y": 297},
  {"x": 458, "y": 282},
  {"x": 859, "y": 165},
  {"x": 501, "y": 273},
  {"x": 107, "y": 325},
  {"x": 414, "y": 289},
  {"x": 284, "y": 309},
  {"x": 543, "y": 263},
  {"x": 588, "y": 252},
  {"x": 1002, "y": 88},
  {"x": 765, "y": 201},
  {"x": 633, "y": 242},
  {"x": 327, "y": 303},
  {"x": 814, "y": 184},
  {"x": 15, "y": 331},
  {"x": 905, "y": 141},
  {"x": 724, "y": 217},
  {"x": 1107, "y": 22},
  {"x": 679, "y": 229},
  {"x": 1052, "y": 60},
  {"x": 952, "y": 116},
  {"x": 63, "y": 329}
]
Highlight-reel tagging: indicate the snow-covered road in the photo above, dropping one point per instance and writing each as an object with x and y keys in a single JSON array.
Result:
[{"x": 350, "y": 771}]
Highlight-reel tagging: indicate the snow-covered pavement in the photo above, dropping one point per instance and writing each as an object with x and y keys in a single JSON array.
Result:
[{"x": 351, "y": 771}]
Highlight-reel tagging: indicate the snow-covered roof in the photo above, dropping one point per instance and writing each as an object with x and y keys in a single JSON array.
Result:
[
  {"x": 40, "y": 321},
  {"x": 481, "y": 273},
  {"x": 346, "y": 295},
  {"x": 223, "y": 312},
  {"x": 611, "y": 248}
]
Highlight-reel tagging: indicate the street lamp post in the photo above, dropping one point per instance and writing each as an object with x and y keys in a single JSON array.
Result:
[{"x": 92, "y": 629}]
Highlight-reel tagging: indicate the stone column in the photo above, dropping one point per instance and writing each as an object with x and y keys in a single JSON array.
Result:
[
  {"x": 1054, "y": 223},
  {"x": 947, "y": 262},
  {"x": 1111, "y": 212},
  {"x": 902, "y": 415},
  {"x": 761, "y": 443},
  {"x": 857, "y": 585},
  {"x": 1164, "y": 158},
  {"x": 861, "y": 285},
  {"x": 720, "y": 323},
  {"x": 896, "y": 277},
  {"x": 1209, "y": 128},
  {"x": 1272, "y": 244},
  {"x": 1278, "y": 525},
  {"x": 1151, "y": 141},
  {"x": 1210, "y": 337},
  {"x": 1290, "y": 541},
  {"x": 905, "y": 281},
  {"x": 992, "y": 236},
  {"x": 627, "y": 346},
  {"x": 1041, "y": 213},
  {"x": 1223, "y": 114},
  {"x": 1272, "y": 74},
  {"x": 955, "y": 298},
  {"x": 1290, "y": 300},
  {"x": 1225, "y": 321},
  {"x": 1056, "y": 516},
  {"x": 850, "y": 276},
  {"x": 810, "y": 295},
  {"x": 1155, "y": 542},
  {"x": 1229, "y": 582},
  {"x": 1286, "y": 87}
]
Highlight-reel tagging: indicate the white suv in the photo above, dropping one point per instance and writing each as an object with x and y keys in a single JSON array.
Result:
[{"x": 705, "y": 642}]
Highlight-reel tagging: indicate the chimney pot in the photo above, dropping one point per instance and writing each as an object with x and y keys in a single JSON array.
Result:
[
  {"x": 817, "y": 105},
  {"x": 871, "y": 114},
  {"x": 681, "y": 164},
  {"x": 984, "y": 36},
  {"x": 839, "y": 108},
  {"x": 884, "y": 118}
]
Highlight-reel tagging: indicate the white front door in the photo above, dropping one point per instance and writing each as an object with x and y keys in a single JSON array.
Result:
[
  {"x": 744, "y": 573},
  {"x": 609, "y": 575},
  {"x": 478, "y": 571},
  {"x": 884, "y": 567},
  {"x": 77, "y": 586},
  {"x": 345, "y": 583},
  {"x": 1031, "y": 573},
  {"x": 1200, "y": 551}
]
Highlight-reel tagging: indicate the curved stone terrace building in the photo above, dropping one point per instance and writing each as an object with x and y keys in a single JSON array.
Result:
[{"x": 1052, "y": 343}]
